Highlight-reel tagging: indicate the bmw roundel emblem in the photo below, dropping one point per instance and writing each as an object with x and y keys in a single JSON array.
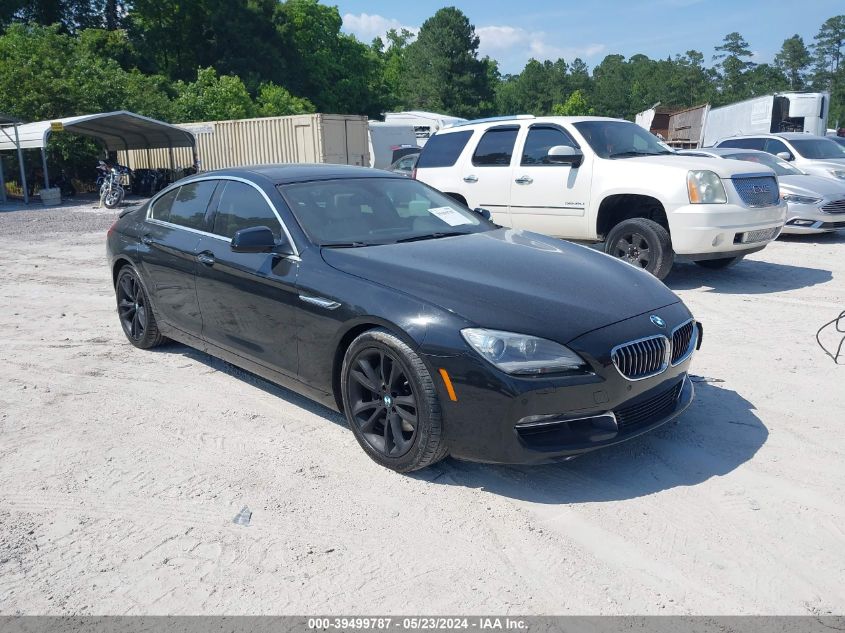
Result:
[{"x": 658, "y": 321}]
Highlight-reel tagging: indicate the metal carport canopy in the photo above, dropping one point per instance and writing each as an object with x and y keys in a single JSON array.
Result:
[{"x": 121, "y": 130}]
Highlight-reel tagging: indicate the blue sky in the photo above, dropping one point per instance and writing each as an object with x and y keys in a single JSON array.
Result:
[{"x": 512, "y": 32}]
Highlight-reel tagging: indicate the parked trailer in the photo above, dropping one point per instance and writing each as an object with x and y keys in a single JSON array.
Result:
[
  {"x": 425, "y": 123},
  {"x": 307, "y": 138},
  {"x": 389, "y": 142},
  {"x": 682, "y": 129},
  {"x": 781, "y": 112}
]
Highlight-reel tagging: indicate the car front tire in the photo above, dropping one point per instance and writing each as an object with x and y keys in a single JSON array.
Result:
[
  {"x": 135, "y": 311},
  {"x": 642, "y": 243},
  {"x": 391, "y": 403}
]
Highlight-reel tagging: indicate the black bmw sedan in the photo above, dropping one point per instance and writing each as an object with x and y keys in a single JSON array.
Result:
[{"x": 433, "y": 330}]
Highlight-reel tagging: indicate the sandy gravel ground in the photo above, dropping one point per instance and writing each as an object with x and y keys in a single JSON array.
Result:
[{"x": 121, "y": 471}]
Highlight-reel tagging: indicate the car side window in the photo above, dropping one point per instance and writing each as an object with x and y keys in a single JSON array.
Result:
[
  {"x": 538, "y": 143},
  {"x": 443, "y": 150},
  {"x": 495, "y": 148},
  {"x": 191, "y": 203},
  {"x": 774, "y": 146},
  {"x": 161, "y": 207},
  {"x": 241, "y": 206}
]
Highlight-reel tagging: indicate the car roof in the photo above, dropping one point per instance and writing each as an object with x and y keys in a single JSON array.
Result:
[
  {"x": 518, "y": 118},
  {"x": 280, "y": 174},
  {"x": 789, "y": 136}
]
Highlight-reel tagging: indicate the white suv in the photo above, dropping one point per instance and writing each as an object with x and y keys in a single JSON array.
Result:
[
  {"x": 815, "y": 155},
  {"x": 599, "y": 179}
]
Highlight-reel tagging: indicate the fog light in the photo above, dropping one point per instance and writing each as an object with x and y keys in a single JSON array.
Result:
[
  {"x": 718, "y": 239},
  {"x": 801, "y": 222}
]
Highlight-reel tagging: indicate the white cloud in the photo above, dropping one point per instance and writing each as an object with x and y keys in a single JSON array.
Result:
[
  {"x": 514, "y": 42},
  {"x": 366, "y": 27}
]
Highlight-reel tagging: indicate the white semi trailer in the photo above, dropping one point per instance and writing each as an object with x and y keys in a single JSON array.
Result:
[{"x": 781, "y": 112}]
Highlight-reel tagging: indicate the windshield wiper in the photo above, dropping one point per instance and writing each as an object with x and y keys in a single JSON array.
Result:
[
  {"x": 636, "y": 153},
  {"x": 345, "y": 245},
  {"x": 431, "y": 236}
]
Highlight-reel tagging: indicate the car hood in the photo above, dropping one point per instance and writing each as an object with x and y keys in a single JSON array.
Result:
[
  {"x": 724, "y": 168},
  {"x": 816, "y": 186},
  {"x": 511, "y": 280}
]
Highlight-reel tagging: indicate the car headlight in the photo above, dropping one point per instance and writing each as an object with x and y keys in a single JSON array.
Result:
[
  {"x": 796, "y": 199},
  {"x": 521, "y": 354},
  {"x": 837, "y": 173},
  {"x": 705, "y": 187}
]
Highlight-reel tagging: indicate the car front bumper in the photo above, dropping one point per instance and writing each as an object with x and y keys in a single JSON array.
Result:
[
  {"x": 702, "y": 231},
  {"x": 492, "y": 418},
  {"x": 809, "y": 219}
]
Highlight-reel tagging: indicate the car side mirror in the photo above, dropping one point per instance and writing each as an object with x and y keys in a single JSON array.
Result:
[
  {"x": 257, "y": 239},
  {"x": 484, "y": 213},
  {"x": 784, "y": 155},
  {"x": 565, "y": 155}
]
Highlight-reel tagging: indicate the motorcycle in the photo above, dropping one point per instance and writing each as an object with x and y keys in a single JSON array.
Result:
[{"x": 112, "y": 192}]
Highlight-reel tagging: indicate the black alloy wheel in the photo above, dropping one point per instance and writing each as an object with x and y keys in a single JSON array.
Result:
[
  {"x": 642, "y": 243},
  {"x": 391, "y": 403},
  {"x": 383, "y": 403},
  {"x": 135, "y": 312},
  {"x": 633, "y": 248}
]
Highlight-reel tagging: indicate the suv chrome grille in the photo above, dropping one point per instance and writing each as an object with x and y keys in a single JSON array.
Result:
[
  {"x": 837, "y": 206},
  {"x": 757, "y": 191},
  {"x": 683, "y": 341},
  {"x": 643, "y": 358}
]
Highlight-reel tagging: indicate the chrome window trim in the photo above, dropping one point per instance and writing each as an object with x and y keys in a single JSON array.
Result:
[
  {"x": 667, "y": 356},
  {"x": 272, "y": 206},
  {"x": 692, "y": 342}
]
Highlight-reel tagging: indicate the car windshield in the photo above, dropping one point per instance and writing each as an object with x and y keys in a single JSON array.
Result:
[
  {"x": 368, "y": 211},
  {"x": 778, "y": 165},
  {"x": 621, "y": 139},
  {"x": 818, "y": 148}
]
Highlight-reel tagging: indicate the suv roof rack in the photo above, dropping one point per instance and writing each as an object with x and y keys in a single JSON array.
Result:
[{"x": 493, "y": 119}]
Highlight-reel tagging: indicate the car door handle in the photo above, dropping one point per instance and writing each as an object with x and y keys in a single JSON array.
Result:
[
  {"x": 524, "y": 180},
  {"x": 206, "y": 258},
  {"x": 147, "y": 240},
  {"x": 471, "y": 178}
]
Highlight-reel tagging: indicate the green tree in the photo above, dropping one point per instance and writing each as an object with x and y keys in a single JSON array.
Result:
[
  {"x": 275, "y": 100},
  {"x": 734, "y": 57},
  {"x": 334, "y": 70},
  {"x": 212, "y": 98},
  {"x": 828, "y": 68},
  {"x": 575, "y": 105},
  {"x": 611, "y": 87},
  {"x": 443, "y": 71},
  {"x": 793, "y": 60}
]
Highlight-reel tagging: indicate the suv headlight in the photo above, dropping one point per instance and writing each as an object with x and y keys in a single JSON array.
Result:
[
  {"x": 521, "y": 354},
  {"x": 796, "y": 199},
  {"x": 837, "y": 173},
  {"x": 705, "y": 187}
]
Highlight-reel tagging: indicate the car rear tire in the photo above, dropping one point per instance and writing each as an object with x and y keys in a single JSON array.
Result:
[
  {"x": 642, "y": 243},
  {"x": 718, "y": 264},
  {"x": 135, "y": 312},
  {"x": 391, "y": 403}
]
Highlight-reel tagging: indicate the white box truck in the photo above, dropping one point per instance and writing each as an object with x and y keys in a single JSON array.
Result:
[
  {"x": 782, "y": 112},
  {"x": 389, "y": 142},
  {"x": 425, "y": 123}
]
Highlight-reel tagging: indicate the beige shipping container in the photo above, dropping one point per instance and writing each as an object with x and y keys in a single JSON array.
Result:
[{"x": 340, "y": 139}]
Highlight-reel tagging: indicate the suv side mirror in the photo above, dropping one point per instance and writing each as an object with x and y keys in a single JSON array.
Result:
[
  {"x": 484, "y": 213},
  {"x": 565, "y": 155},
  {"x": 784, "y": 155},
  {"x": 256, "y": 239}
]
